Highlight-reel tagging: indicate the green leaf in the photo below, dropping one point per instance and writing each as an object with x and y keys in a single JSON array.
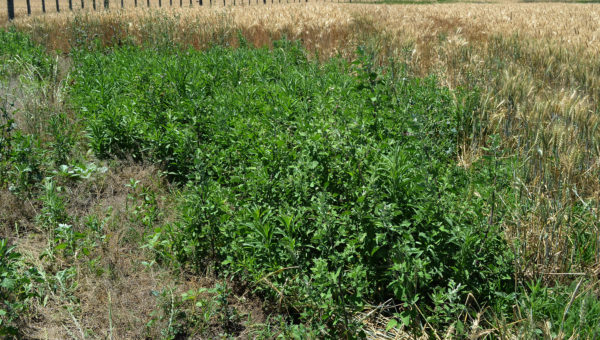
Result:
[
  {"x": 61, "y": 246},
  {"x": 393, "y": 323},
  {"x": 8, "y": 283}
]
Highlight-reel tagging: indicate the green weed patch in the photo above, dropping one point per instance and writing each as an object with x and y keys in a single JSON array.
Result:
[{"x": 330, "y": 186}]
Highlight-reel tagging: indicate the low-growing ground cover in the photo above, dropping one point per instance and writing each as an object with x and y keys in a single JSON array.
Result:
[{"x": 325, "y": 188}]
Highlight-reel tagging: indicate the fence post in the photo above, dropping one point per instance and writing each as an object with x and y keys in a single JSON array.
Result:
[
  {"x": 159, "y": 3},
  {"x": 106, "y": 4},
  {"x": 57, "y": 7},
  {"x": 82, "y": 5},
  {"x": 171, "y": 3},
  {"x": 70, "y": 5},
  {"x": 122, "y": 4},
  {"x": 94, "y": 4},
  {"x": 148, "y": 3},
  {"x": 28, "y": 7},
  {"x": 11, "y": 9},
  {"x": 135, "y": 3}
]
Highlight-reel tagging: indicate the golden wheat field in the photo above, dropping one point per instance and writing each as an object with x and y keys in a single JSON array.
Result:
[
  {"x": 50, "y": 6},
  {"x": 536, "y": 66}
]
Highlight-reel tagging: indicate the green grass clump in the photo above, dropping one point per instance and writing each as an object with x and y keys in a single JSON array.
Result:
[
  {"x": 330, "y": 186},
  {"x": 17, "y": 50},
  {"x": 19, "y": 152}
]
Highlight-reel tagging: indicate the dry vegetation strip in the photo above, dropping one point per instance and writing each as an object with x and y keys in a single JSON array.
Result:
[{"x": 79, "y": 6}]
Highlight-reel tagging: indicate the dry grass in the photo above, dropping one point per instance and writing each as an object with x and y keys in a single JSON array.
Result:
[
  {"x": 37, "y": 6},
  {"x": 108, "y": 293}
]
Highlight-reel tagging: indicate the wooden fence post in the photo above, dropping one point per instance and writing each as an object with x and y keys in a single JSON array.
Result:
[
  {"x": 122, "y": 4},
  {"x": 70, "y": 5},
  {"x": 148, "y": 3},
  {"x": 11, "y": 9},
  {"x": 82, "y": 5},
  {"x": 57, "y": 7},
  {"x": 171, "y": 3},
  {"x": 159, "y": 3},
  {"x": 106, "y": 4},
  {"x": 94, "y": 3},
  {"x": 28, "y": 7}
]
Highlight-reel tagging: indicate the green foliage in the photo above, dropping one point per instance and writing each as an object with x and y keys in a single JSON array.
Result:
[
  {"x": 330, "y": 186},
  {"x": 6, "y": 133},
  {"x": 53, "y": 211},
  {"x": 62, "y": 145},
  {"x": 17, "y": 50},
  {"x": 27, "y": 160},
  {"x": 197, "y": 312},
  {"x": 568, "y": 310},
  {"x": 16, "y": 289},
  {"x": 23, "y": 158}
]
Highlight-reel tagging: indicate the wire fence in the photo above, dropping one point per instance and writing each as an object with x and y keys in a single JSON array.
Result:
[{"x": 16, "y": 8}]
